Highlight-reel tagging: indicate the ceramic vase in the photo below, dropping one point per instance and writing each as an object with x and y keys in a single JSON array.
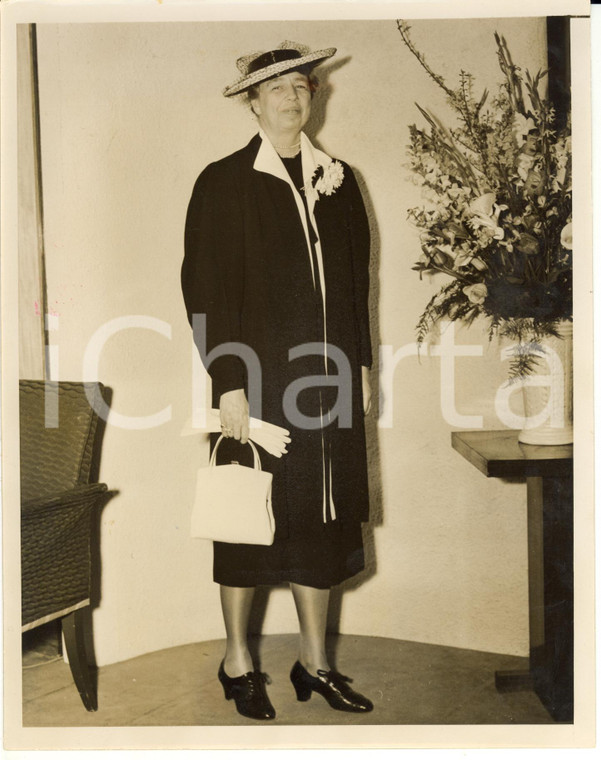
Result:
[{"x": 547, "y": 392}]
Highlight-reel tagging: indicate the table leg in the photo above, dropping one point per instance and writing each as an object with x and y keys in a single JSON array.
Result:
[
  {"x": 550, "y": 598},
  {"x": 552, "y": 659},
  {"x": 513, "y": 680}
]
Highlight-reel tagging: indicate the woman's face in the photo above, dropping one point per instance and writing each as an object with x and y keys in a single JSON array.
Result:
[{"x": 283, "y": 104}]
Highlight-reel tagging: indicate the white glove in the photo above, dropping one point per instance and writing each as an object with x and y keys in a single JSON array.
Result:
[{"x": 272, "y": 438}]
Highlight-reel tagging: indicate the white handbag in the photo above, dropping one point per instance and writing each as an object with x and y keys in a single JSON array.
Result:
[{"x": 233, "y": 503}]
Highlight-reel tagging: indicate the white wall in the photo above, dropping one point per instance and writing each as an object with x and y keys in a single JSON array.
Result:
[{"x": 130, "y": 115}]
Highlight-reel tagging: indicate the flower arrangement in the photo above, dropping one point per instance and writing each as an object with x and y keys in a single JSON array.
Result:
[{"x": 497, "y": 216}]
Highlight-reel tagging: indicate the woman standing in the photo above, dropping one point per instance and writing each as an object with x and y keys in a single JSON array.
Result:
[{"x": 276, "y": 257}]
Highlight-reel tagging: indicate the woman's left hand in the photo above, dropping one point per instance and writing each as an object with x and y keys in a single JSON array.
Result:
[{"x": 366, "y": 390}]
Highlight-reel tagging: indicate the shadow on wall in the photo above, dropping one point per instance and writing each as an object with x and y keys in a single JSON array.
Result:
[
  {"x": 371, "y": 425},
  {"x": 320, "y": 101},
  {"x": 95, "y": 550}
]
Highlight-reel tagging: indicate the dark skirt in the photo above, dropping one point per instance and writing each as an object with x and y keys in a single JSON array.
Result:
[{"x": 321, "y": 561}]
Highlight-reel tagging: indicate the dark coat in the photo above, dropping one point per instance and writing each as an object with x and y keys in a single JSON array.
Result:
[{"x": 247, "y": 267}]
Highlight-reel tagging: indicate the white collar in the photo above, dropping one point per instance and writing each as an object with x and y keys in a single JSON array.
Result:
[{"x": 269, "y": 162}]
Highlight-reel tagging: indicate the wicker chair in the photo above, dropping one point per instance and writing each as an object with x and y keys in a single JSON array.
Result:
[{"x": 57, "y": 502}]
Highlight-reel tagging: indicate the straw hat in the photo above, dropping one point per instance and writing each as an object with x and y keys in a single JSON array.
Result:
[{"x": 258, "y": 67}]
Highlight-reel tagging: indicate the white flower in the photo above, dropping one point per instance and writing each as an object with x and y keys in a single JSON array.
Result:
[
  {"x": 523, "y": 165},
  {"x": 462, "y": 260},
  {"x": 562, "y": 169},
  {"x": 478, "y": 264},
  {"x": 446, "y": 248},
  {"x": 428, "y": 194},
  {"x": 566, "y": 236},
  {"x": 476, "y": 293},
  {"x": 483, "y": 206},
  {"x": 486, "y": 213},
  {"x": 328, "y": 178},
  {"x": 521, "y": 126}
]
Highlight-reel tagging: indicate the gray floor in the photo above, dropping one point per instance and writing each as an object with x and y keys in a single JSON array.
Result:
[{"x": 409, "y": 683}]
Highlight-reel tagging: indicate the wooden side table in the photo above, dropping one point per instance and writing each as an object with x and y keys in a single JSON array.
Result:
[{"x": 548, "y": 471}]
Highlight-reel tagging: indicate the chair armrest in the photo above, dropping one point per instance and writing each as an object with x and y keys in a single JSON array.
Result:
[{"x": 79, "y": 496}]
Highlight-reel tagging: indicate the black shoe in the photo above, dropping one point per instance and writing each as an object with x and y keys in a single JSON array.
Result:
[
  {"x": 249, "y": 693},
  {"x": 332, "y": 686}
]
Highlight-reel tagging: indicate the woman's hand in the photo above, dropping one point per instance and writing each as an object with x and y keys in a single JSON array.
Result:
[
  {"x": 366, "y": 390},
  {"x": 233, "y": 412}
]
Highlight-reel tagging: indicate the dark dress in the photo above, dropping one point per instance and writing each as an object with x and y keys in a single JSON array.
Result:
[{"x": 248, "y": 268}]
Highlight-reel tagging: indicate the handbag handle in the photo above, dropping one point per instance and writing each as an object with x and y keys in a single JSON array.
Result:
[{"x": 257, "y": 459}]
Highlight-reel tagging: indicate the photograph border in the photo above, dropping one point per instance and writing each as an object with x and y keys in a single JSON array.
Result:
[{"x": 582, "y": 732}]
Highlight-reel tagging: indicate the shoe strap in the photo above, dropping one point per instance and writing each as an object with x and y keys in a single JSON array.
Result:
[{"x": 334, "y": 676}]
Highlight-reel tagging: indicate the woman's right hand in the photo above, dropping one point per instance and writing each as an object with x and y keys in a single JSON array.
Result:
[{"x": 233, "y": 412}]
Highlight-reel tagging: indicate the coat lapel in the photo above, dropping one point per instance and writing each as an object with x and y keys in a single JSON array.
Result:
[{"x": 269, "y": 162}]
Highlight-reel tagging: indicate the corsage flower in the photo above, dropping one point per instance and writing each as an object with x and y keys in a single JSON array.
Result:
[{"x": 327, "y": 179}]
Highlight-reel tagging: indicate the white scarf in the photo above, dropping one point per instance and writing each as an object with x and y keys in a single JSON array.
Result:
[{"x": 269, "y": 162}]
